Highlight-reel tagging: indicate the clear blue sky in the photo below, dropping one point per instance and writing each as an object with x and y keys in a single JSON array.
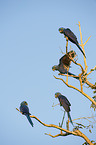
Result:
[{"x": 29, "y": 46}]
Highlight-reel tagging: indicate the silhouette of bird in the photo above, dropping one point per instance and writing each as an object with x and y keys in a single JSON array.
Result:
[
  {"x": 64, "y": 63},
  {"x": 65, "y": 104},
  {"x": 25, "y": 111},
  {"x": 71, "y": 36}
]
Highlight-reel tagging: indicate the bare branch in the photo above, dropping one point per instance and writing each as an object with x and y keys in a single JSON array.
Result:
[
  {"x": 67, "y": 132},
  {"x": 79, "y": 133},
  {"x": 61, "y": 134},
  {"x": 87, "y": 40},
  {"x": 55, "y": 105},
  {"x": 50, "y": 125},
  {"x": 82, "y": 45},
  {"x": 87, "y": 118},
  {"x": 70, "y": 86},
  {"x": 91, "y": 71}
]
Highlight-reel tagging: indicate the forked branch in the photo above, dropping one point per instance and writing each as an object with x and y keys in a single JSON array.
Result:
[
  {"x": 76, "y": 132},
  {"x": 70, "y": 86}
]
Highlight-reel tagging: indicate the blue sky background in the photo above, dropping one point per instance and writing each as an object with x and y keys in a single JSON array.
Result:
[{"x": 29, "y": 46}]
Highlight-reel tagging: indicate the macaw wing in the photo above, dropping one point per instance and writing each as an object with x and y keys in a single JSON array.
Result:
[
  {"x": 24, "y": 109},
  {"x": 65, "y": 60},
  {"x": 70, "y": 35},
  {"x": 64, "y": 100},
  {"x": 65, "y": 103}
]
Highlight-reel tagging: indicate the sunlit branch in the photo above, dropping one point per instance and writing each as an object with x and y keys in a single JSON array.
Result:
[
  {"x": 77, "y": 64},
  {"x": 50, "y": 125},
  {"x": 67, "y": 132},
  {"x": 90, "y": 85},
  {"x": 61, "y": 134},
  {"x": 70, "y": 86},
  {"x": 79, "y": 133},
  {"x": 91, "y": 71},
  {"x": 87, "y": 118},
  {"x": 68, "y": 75},
  {"x": 82, "y": 45},
  {"x": 87, "y": 40},
  {"x": 81, "y": 83}
]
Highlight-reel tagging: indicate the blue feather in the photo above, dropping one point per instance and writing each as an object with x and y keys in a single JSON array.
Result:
[
  {"x": 70, "y": 118},
  {"x": 29, "y": 119}
]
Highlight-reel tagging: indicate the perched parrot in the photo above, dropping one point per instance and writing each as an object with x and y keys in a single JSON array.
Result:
[
  {"x": 64, "y": 64},
  {"x": 25, "y": 111},
  {"x": 71, "y": 36},
  {"x": 65, "y": 103}
]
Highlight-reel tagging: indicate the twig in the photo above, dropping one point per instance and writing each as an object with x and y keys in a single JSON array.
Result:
[
  {"x": 91, "y": 71},
  {"x": 87, "y": 40},
  {"x": 87, "y": 118},
  {"x": 61, "y": 134},
  {"x": 55, "y": 105}
]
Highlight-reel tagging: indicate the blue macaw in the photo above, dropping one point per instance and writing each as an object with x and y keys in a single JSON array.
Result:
[
  {"x": 25, "y": 111},
  {"x": 65, "y": 103},
  {"x": 64, "y": 63},
  {"x": 71, "y": 36}
]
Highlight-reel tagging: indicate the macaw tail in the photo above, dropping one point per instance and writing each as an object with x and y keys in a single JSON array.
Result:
[
  {"x": 29, "y": 119},
  {"x": 81, "y": 50},
  {"x": 75, "y": 77},
  {"x": 70, "y": 118}
]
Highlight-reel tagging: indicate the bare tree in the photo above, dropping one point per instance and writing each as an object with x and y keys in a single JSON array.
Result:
[{"x": 83, "y": 80}]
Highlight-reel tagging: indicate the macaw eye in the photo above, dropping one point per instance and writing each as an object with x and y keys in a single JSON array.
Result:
[{"x": 25, "y": 103}]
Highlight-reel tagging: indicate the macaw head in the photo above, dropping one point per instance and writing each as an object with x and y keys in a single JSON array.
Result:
[
  {"x": 61, "y": 30},
  {"x": 24, "y": 103},
  {"x": 57, "y": 94},
  {"x": 55, "y": 67}
]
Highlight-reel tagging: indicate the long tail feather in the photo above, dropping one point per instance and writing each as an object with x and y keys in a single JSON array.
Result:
[
  {"x": 29, "y": 119},
  {"x": 73, "y": 75},
  {"x": 81, "y": 50},
  {"x": 70, "y": 118}
]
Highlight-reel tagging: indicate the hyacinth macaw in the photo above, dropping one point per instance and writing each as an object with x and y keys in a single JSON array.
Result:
[
  {"x": 64, "y": 103},
  {"x": 64, "y": 63},
  {"x": 71, "y": 36},
  {"x": 25, "y": 111}
]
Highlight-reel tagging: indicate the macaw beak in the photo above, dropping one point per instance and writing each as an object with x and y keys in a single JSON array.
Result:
[
  {"x": 53, "y": 68},
  {"x": 26, "y": 103},
  {"x": 60, "y": 31},
  {"x": 55, "y": 96}
]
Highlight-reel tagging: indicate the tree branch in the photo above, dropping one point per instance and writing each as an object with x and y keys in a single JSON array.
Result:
[
  {"x": 87, "y": 40},
  {"x": 70, "y": 86},
  {"x": 67, "y": 132},
  {"x": 82, "y": 45}
]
